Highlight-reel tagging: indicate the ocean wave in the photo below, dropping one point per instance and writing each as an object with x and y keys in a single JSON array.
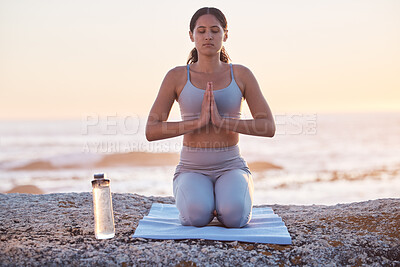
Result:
[
  {"x": 378, "y": 174},
  {"x": 129, "y": 159},
  {"x": 79, "y": 161}
]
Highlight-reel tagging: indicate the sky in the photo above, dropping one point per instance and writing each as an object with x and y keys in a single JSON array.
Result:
[{"x": 70, "y": 59}]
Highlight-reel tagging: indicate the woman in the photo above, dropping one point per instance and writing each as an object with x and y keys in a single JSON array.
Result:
[{"x": 211, "y": 179}]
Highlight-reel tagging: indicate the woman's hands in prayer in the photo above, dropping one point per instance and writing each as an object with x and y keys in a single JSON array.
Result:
[
  {"x": 216, "y": 118},
  {"x": 209, "y": 110}
]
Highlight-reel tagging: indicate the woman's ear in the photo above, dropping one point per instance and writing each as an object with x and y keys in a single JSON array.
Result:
[
  {"x": 191, "y": 36},
  {"x": 225, "y": 35}
]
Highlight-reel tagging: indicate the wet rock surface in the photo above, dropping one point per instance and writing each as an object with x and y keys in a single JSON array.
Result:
[{"x": 57, "y": 230}]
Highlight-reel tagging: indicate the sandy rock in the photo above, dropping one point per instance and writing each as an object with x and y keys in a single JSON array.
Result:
[
  {"x": 57, "y": 230},
  {"x": 26, "y": 189}
]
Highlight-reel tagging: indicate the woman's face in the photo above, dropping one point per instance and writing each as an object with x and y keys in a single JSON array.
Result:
[{"x": 208, "y": 34}]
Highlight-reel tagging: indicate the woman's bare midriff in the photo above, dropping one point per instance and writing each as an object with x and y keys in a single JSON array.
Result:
[{"x": 211, "y": 136}]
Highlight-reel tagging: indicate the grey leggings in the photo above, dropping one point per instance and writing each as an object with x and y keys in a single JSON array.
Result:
[{"x": 208, "y": 179}]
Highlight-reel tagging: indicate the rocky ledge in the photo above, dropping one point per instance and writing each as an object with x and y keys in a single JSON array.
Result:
[{"x": 57, "y": 230}]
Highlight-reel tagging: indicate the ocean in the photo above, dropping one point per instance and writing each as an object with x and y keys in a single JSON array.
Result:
[{"x": 312, "y": 159}]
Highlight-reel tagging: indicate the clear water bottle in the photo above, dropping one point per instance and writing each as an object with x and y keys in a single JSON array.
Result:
[{"x": 102, "y": 205}]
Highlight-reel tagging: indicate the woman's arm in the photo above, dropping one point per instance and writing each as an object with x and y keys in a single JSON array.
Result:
[
  {"x": 262, "y": 124},
  {"x": 157, "y": 127}
]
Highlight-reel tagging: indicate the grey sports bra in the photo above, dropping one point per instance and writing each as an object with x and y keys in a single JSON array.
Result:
[{"x": 228, "y": 100}]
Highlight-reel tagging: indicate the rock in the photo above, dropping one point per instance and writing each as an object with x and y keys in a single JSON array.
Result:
[
  {"x": 26, "y": 189},
  {"x": 58, "y": 229}
]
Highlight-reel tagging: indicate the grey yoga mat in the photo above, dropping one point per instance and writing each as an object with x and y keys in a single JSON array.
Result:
[{"x": 162, "y": 222}]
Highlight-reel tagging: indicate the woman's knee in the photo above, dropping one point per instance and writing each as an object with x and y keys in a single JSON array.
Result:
[
  {"x": 234, "y": 198},
  {"x": 234, "y": 214},
  {"x": 194, "y": 196},
  {"x": 196, "y": 213}
]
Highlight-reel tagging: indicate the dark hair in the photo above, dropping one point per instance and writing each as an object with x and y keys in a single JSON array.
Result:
[{"x": 193, "y": 57}]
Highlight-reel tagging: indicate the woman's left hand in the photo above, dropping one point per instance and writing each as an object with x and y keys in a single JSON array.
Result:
[{"x": 216, "y": 118}]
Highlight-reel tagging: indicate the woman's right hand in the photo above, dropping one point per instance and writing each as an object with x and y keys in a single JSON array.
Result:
[{"x": 205, "y": 115}]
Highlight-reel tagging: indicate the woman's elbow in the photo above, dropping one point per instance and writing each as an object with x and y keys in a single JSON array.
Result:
[
  {"x": 272, "y": 132},
  {"x": 149, "y": 134},
  {"x": 270, "y": 129},
  {"x": 149, "y": 137}
]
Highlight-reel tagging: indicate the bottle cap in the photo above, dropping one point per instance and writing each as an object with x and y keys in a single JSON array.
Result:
[{"x": 100, "y": 176}]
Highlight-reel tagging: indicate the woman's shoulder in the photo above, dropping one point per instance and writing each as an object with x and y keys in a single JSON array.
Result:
[
  {"x": 175, "y": 79},
  {"x": 240, "y": 69},
  {"x": 243, "y": 76},
  {"x": 178, "y": 70},
  {"x": 177, "y": 73}
]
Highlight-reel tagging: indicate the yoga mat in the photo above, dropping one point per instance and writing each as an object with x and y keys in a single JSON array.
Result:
[{"x": 162, "y": 222}]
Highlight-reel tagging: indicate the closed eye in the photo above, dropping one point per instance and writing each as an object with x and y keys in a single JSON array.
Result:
[{"x": 202, "y": 29}]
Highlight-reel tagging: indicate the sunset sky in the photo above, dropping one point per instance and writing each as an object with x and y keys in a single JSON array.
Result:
[{"x": 67, "y": 59}]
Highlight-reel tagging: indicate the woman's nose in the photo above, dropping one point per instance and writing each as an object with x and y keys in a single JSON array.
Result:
[{"x": 208, "y": 36}]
